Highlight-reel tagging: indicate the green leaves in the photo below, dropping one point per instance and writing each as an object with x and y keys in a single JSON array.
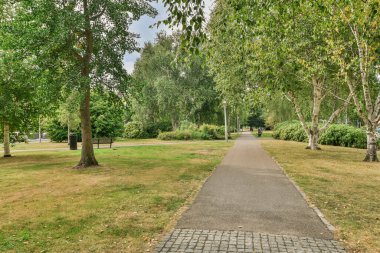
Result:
[{"x": 189, "y": 17}]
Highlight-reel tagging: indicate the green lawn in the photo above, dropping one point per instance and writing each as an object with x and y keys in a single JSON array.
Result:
[
  {"x": 265, "y": 134},
  {"x": 343, "y": 187},
  {"x": 123, "y": 206}
]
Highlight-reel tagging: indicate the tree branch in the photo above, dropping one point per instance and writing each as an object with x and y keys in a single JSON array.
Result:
[
  {"x": 294, "y": 101},
  {"x": 96, "y": 16},
  {"x": 336, "y": 113},
  {"x": 356, "y": 99}
]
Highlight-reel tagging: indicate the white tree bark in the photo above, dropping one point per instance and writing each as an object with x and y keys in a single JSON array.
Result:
[{"x": 314, "y": 131}]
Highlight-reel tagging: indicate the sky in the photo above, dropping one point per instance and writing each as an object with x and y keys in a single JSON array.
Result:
[{"x": 148, "y": 34}]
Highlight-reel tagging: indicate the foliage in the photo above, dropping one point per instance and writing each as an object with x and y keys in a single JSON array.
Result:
[
  {"x": 187, "y": 125},
  {"x": 290, "y": 130},
  {"x": 107, "y": 115},
  {"x": 189, "y": 131},
  {"x": 165, "y": 91},
  {"x": 134, "y": 130},
  {"x": 336, "y": 134},
  {"x": 345, "y": 136},
  {"x": 57, "y": 131},
  {"x": 183, "y": 135},
  {"x": 215, "y": 132},
  {"x": 152, "y": 130}
]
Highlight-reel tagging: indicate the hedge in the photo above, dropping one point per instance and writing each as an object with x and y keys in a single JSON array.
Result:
[
  {"x": 189, "y": 131},
  {"x": 336, "y": 134}
]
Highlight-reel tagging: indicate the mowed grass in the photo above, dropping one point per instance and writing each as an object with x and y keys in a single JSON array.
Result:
[
  {"x": 343, "y": 187},
  {"x": 122, "y": 206},
  {"x": 63, "y": 145}
]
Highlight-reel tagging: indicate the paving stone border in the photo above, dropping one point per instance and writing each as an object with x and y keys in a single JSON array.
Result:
[{"x": 213, "y": 241}]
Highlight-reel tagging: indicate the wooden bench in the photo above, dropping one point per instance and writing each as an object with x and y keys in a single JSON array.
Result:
[{"x": 102, "y": 140}]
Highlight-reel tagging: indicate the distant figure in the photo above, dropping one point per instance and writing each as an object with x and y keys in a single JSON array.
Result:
[
  {"x": 259, "y": 132},
  {"x": 250, "y": 128}
]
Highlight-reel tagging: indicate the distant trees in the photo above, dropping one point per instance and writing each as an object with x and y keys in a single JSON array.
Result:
[{"x": 165, "y": 90}]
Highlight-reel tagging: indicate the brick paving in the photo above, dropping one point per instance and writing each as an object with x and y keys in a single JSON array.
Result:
[{"x": 212, "y": 241}]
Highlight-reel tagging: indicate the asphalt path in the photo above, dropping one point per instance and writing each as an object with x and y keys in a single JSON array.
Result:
[{"x": 249, "y": 192}]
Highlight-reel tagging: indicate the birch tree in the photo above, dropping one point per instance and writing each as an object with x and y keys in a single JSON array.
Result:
[
  {"x": 282, "y": 47},
  {"x": 354, "y": 40}
]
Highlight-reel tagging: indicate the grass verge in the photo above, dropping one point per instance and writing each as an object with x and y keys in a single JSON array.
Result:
[
  {"x": 343, "y": 187},
  {"x": 122, "y": 206}
]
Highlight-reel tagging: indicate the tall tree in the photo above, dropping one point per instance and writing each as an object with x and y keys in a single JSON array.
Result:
[
  {"x": 168, "y": 91},
  {"x": 354, "y": 41},
  {"x": 281, "y": 47},
  {"x": 20, "y": 94},
  {"x": 89, "y": 38}
]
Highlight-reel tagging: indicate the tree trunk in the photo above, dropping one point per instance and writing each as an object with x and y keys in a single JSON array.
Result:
[
  {"x": 88, "y": 156},
  {"x": 7, "y": 150},
  {"x": 371, "y": 155},
  {"x": 313, "y": 141},
  {"x": 68, "y": 132}
]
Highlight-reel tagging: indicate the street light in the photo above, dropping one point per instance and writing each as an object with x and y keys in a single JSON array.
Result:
[{"x": 225, "y": 120}]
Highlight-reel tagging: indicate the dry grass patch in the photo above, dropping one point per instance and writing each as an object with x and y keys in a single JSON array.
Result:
[
  {"x": 336, "y": 180},
  {"x": 122, "y": 206}
]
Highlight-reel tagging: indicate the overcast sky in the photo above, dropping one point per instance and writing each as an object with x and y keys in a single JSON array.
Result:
[{"x": 148, "y": 34}]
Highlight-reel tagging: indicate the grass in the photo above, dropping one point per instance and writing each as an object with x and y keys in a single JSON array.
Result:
[
  {"x": 343, "y": 187},
  {"x": 123, "y": 206},
  {"x": 265, "y": 134},
  {"x": 63, "y": 145}
]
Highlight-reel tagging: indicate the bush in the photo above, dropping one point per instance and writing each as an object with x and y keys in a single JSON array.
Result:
[
  {"x": 336, "y": 134},
  {"x": 215, "y": 132},
  {"x": 183, "y": 135},
  {"x": 152, "y": 130},
  {"x": 134, "y": 130},
  {"x": 187, "y": 125},
  {"x": 345, "y": 136},
  {"x": 290, "y": 130},
  {"x": 205, "y": 132},
  {"x": 58, "y": 132}
]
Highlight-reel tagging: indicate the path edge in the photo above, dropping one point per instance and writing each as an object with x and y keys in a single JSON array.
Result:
[{"x": 304, "y": 196}]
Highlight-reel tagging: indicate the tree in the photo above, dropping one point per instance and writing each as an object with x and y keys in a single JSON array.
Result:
[
  {"x": 68, "y": 113},
  {"x": 89, "y": 39},
  {"x": 354, "y": 41},
  {"x": 165, "y": 90},
  {"x": 107, "y": 115},
  {"x": 19, "y": 87},
  {"x": 282, "y": 48}
]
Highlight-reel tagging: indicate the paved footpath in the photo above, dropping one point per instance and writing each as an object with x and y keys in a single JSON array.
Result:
[{"x": 249, "y": 205}]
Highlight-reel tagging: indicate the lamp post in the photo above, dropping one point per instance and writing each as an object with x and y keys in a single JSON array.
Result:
[{"x": 225, "y": 120}]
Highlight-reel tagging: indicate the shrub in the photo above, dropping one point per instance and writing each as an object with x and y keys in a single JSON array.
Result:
[
  {"x": 187, "y": 125},
  {"x": 345, "y": 136},
  {"x": 152, "y": 130},
  {"x": 134, "y": 130},
  {"x": 189, "y": 131},
  {"x": 336, "y": 134},
  {"x": 290, "y": 130},
  {"x": 58, "y": 132},
  {"x": 215, "y": 132},
  {"x": 183, "y": 135}
]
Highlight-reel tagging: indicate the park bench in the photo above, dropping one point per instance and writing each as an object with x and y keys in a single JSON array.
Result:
[{"x": 102, "y": 140}]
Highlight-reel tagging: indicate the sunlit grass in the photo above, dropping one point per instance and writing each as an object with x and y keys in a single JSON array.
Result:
[
  {"x": 336, "y": 180},
  {"x": 122, "y": 206}
]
